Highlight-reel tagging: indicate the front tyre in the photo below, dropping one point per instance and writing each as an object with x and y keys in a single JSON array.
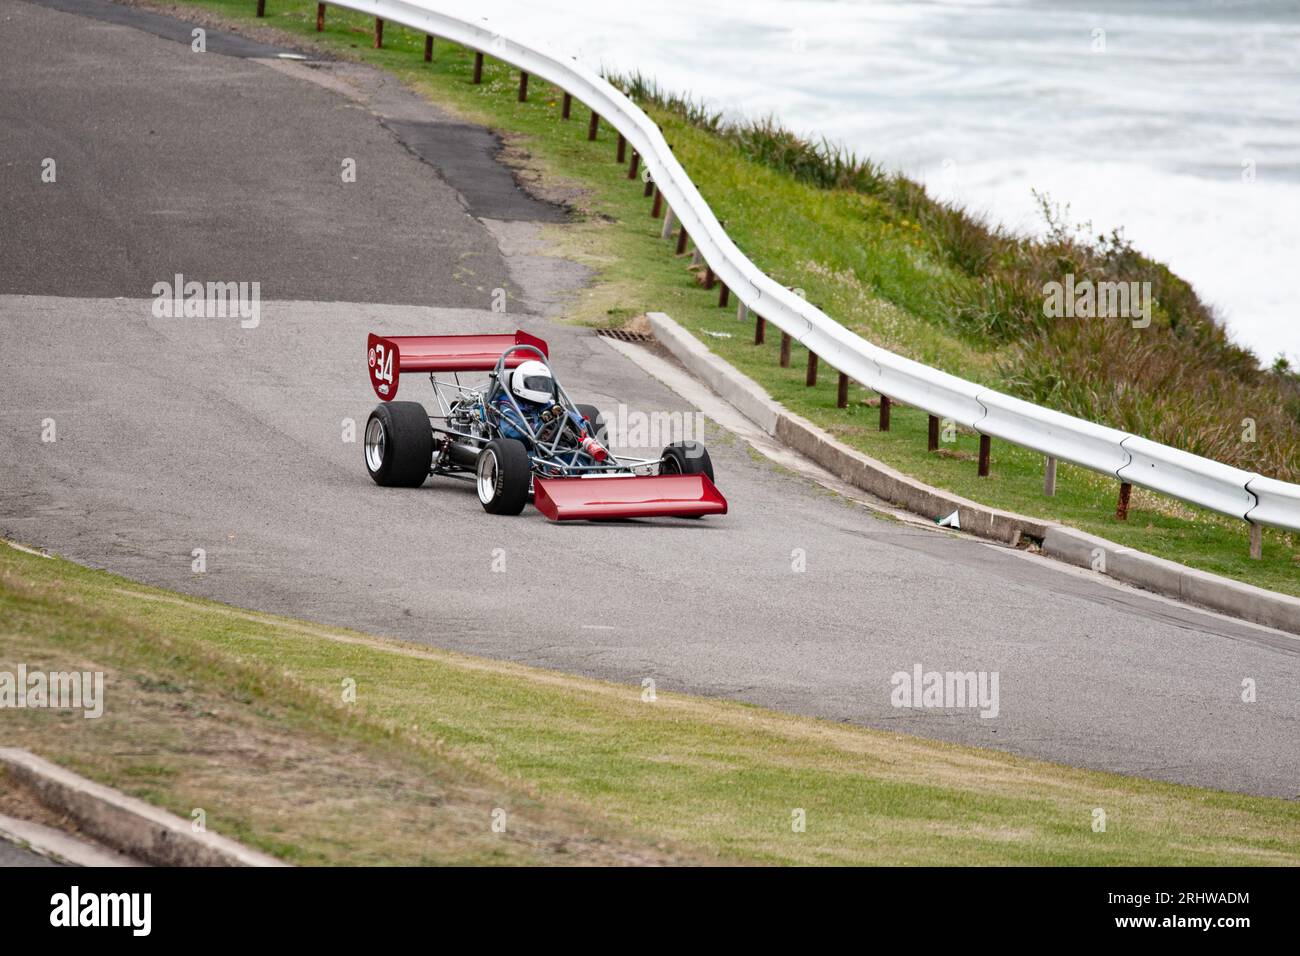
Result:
[
  {"x": 399, "y": 445},
  {"x": 686, "y": 458},
  {"x": 502, "y": 476}
]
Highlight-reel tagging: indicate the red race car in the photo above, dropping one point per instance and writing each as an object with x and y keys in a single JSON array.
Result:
[{"x": 518, "y": 436}]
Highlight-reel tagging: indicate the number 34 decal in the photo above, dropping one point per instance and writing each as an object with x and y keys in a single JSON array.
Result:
[{"x": 385, "y": 366}]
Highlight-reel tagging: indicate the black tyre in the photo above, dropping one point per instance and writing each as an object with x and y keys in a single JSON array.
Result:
[
  {"x": 399, "y": 445},
  {"x": 502, "y": 476},
  {"x": 686, "y": 458},
  {"x": 599, "y": 430}
]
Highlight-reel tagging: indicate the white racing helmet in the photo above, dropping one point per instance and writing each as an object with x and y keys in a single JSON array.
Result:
[{"x": 532, "y": 382}]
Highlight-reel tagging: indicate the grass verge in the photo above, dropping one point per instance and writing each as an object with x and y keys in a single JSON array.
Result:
[
  {"x": 243, "y": 715},
  {"x": 886, "y": 276}
]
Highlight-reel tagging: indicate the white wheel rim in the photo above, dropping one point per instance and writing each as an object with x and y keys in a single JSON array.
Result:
[
  {"x": 375, "y": 441},
  {"x": 487, "y": 476}
]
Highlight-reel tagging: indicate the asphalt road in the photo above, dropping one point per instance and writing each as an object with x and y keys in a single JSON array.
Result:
[
  {"x": 180, "y": 434},
  {"x": 13, "y": 855}
]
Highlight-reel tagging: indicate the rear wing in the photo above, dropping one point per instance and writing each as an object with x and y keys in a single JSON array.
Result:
[{"x": 390, "y": 357}]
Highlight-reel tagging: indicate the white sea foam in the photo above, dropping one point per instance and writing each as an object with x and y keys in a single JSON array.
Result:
[{"x": 985, "y": 100}]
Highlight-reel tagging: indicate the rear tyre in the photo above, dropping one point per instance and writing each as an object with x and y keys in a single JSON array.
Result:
[
  {"x": 502, "y": 476},
  {"x": 599, "y": 430},
  {"x": 686, "y": 458},
  {"x": 399, "y": 445}
]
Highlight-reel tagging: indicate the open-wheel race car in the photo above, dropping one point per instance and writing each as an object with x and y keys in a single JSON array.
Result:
[{"x": 518, "y": 435}]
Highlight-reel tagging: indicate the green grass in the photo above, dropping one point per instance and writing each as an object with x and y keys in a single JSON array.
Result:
[
  {"x": 242, "y": 714},
  {"x": 896, "y": 279}
]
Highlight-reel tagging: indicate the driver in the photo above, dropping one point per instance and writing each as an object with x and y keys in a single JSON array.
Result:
[{"x": 535, "y": 390}]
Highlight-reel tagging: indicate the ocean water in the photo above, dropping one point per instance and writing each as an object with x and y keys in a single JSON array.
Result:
[{"x": 1177, "y": 120}]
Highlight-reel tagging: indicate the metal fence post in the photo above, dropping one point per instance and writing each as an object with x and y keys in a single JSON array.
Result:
[
  {"x": 523, "y": 86},
  {"x": 670, "y": 223},
  {"x": 478, "y": 67},
  {"x": 593, "y": 126},
  {"x": 785, "y": 350},
  {"x": 567, "y": 107},
  {"x": 932, "y": 440},
  {"x": 842, "y": 394},
  {"x": 742, "y": 311},
  {"x": 1049, "y": 477},
  {"x": 634, "y": 165},
  {"x": 708, "y": 277},
  {"x": 1256, "y": 541},
  {"x": 985, "y": 446},
  {"x": 884, "y": 413},
  {"x": 622, "y": 149},
  {"x": 760, "y": 329},
  {"x": 681, "y": 241},
  {"x": 428, "y": 48},
  {"x": 724, "y": 295},
  {"x": 811, "y": 378},
  {"x": 658, "y": 203}
]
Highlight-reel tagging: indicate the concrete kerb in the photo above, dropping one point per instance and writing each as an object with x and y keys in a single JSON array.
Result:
[
  {"x": 138, "y": 829},
  {"x": 1065, "y": 544}
]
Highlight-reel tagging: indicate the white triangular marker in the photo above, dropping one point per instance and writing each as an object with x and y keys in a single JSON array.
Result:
[{"x": 952, "y": 521}]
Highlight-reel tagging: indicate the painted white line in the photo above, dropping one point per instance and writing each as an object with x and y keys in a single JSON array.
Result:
[{"x": 18, "y": 547}]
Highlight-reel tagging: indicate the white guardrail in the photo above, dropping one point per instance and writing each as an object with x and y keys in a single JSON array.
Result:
[{"x": 1129, "y": 458}]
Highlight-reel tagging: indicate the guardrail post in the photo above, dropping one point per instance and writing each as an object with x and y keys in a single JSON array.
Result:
[
  {"x": 932, "y": 441},
  {"x": 622, "y": 149},
  {"x": 670, "y": 223},
  {"x": 523, "y": 86},
  {"x": 708, "y": 277},
  {"x": 1256, "y": 541},
  {"x": 593, "y": 126},
  {"x": 428, "y": 48},
  {"x": 760, "y": 329},
  {"x": 842, "y": 394},
  {"x": 261, "y": 8},
  {"x": 985, "y": 445},
  {"x": 811, "y": 378},
  {"x": 320, "y": 17},
  {"x": 884, "y": 413},
  {"x": 649, "y": 187},
  {"x": 785, "y": 349},
  {"x": 1049, "y": 477},
  {"x": 724, "y": 296},
  {"x": 379, "y": 33},
  {"x": 658, "y": 203},
  {"x": 1121, "y": 507},
  {"x": 681, "y": 241},
  {"x": 742, "y": 311},
  {"x": 478, "y": 67},
  {"x": 567, "y": 107},
  {"x": 634, "y": 165}
]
